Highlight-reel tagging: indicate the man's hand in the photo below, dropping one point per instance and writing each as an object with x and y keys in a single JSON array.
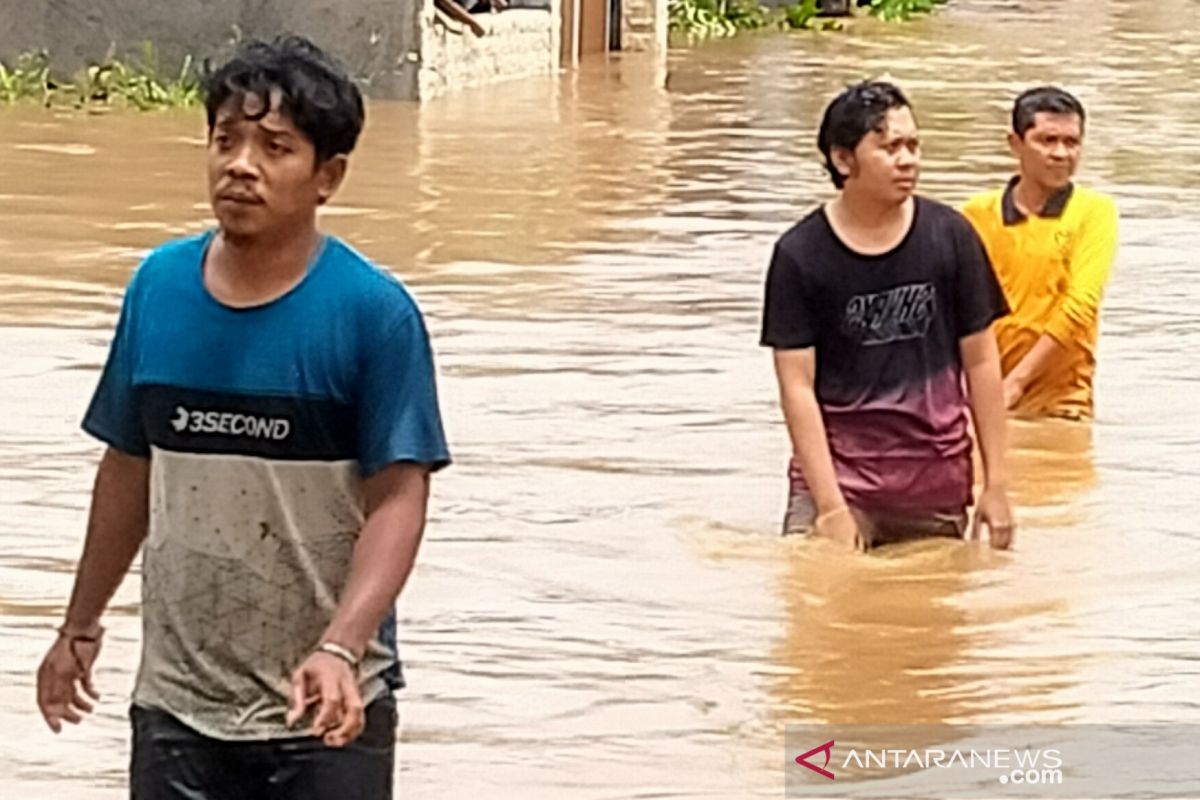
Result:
[
  {"x": 1013, "y": 392},
  {"x": 64, "y": 680},
  {"x": 116, "y": 529},
  {"x": 839, "y": 525},
  {"x": 995, "y": 512},
  {"x": 329, "y": 683}
]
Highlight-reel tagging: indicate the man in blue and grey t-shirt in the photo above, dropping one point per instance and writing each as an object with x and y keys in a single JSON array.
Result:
[{"x": 271, "y": 417}]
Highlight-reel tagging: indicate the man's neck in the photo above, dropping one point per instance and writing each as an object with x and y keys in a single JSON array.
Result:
[
  {"x": 243, "y": 271},
  {"x": 861, "y": 210},
  {"x": 1031, "y": 197},
  {"x": 868, "y": 226}
]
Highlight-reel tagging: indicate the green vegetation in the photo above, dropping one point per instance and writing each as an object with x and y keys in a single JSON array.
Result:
[
  {"x": 902, "y": 9},
  {"x": 137, "y": 82},
  {"x": 806, "y": 16},
  {"x": 29, "y": 78},
  {"x": 705, "y": 18}
]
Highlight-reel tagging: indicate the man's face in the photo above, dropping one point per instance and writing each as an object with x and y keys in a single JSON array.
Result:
[
  {"x": 262, "y": 173},
  {"x": 1049, "y": 152},
  {"x": 887, "y": 162}
]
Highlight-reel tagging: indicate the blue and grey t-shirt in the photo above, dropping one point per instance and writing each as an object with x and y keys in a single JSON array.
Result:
[{"x": 261, "y": 424}]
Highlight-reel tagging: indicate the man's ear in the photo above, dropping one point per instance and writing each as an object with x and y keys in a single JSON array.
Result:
[
  {"x": 330, "y": 175},
  {"x": 1014, "y": 143},
  {"x": 843, "y": 161}
]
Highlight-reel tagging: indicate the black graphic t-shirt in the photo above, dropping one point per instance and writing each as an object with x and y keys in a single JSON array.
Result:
[{"x": 886, "y": 329}]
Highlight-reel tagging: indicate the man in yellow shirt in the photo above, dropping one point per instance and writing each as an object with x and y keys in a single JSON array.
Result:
[{"x": 1052, "y": 245}]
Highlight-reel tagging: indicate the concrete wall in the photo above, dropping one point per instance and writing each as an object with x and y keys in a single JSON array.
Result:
[
  {"x": 376, "y": 39},
  {"x": 644, "y": 25},
  {"x": 519, "y": 43},
  {"x": 397, "y": 48}
]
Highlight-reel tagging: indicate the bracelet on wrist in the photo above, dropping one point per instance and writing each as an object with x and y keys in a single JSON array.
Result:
[
  {"x": 344, "y": 653},
  {"x": 87, "y": 638},
  {"x": 831, "y": 513}
]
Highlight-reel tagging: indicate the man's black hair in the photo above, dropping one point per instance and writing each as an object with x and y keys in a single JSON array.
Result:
[
  {"x": 853, "y": 114},
  {"x": 1049, "y": 99},
  {"x": 313, "y": 90}
]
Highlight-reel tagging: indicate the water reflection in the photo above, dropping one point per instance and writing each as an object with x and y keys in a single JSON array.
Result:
[
  {"x": 1056, "y": 463},
  {"x": 875, "y": 640}
]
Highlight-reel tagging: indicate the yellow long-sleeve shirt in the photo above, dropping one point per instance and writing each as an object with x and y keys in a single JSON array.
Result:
[{"x": 1054, "y": 267}]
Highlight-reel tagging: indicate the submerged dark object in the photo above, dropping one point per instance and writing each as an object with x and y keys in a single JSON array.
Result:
[{"x": 835, "y": 8}]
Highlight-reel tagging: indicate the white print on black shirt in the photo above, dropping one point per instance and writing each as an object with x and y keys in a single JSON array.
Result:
[
  {"x": 230, "y": 424},
  {"x": 904, "y": 312}
]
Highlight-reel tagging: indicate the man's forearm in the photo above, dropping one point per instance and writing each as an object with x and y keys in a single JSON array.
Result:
[
  {"x": 810, "y": 444},
  {"x": 116, "y": 529},
  {"x": 796, "y": 372},
  {"x": 986, "y": 397},
  {"x": 383, "y": 559},
  {"x": 1036, "y": 361}
]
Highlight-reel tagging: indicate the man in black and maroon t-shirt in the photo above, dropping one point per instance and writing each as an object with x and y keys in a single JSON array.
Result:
[{"x": 878, "y": 304}]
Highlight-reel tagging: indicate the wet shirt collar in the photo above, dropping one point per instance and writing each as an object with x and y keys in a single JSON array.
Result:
[{"x": 1053, "y": 208}]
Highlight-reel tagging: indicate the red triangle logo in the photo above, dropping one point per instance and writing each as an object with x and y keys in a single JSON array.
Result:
[{"x": 827, "y": 749}]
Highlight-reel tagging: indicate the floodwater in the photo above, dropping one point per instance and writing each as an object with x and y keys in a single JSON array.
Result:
[{"x": 603, "y": 608}]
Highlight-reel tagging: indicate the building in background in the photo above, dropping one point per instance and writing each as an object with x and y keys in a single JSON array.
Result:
[{"x": 404, "y": 49}]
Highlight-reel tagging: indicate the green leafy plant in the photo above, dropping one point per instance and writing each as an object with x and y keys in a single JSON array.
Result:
[
  {"x": 28, "y": 79},
  {"x": 806, "y": 15},
  {"x": 710, "y": 18},
  {"x": 138, "y": 82},
  {"x": 706, "y": 18},
  {"x": 747, "y": 14},
  {"x": 142, "y": 84},
  {"x": 694, "y": 19},
  {"x": 902, "y": 9}
]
